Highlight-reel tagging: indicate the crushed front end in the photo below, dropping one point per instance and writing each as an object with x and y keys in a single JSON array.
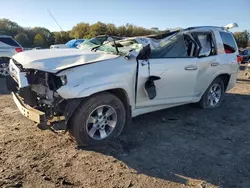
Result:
[{"x": 34, "y": 93}]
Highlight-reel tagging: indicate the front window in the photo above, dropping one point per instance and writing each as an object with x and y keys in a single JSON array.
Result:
[{"x": 171, "y": 47}]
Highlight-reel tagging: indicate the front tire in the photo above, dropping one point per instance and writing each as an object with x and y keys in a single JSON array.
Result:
[
  {"x": 213, "y": 96},
  {"x": 98, "y": 119}
]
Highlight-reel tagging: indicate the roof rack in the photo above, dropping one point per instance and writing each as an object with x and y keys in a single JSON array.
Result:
[{"x": 227, "y": 27}]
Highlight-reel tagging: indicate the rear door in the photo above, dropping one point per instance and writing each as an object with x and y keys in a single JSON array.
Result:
[
  {"x": 228, "y": 57},
  {"x": 208, "y": 60}
]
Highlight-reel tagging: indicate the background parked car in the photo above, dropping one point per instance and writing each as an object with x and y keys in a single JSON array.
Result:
[
  {"x": 245, "y": 56},
  {"x": 70, "y": 44},
  {"x": 8, "y": 48}
]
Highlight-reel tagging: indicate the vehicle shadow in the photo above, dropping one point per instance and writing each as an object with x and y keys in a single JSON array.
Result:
[
  {"x": 3, "y": 87},
  {"x": 243, "y": 80},
  {"x": 176, "y": 144}
]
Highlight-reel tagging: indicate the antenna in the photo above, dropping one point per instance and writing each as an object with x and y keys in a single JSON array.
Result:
[{"x": 54, "y": 19}]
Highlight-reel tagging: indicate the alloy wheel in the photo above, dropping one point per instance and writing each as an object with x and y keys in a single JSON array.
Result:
[
  {"x": 214, "y": 95},
  {"x": 101, "y": 122},
  {"x": 4, "y": 69}
]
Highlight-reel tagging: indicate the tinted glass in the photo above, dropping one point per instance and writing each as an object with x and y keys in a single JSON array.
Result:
[
  {"x": 8, "y": 41},
  {"x": 228, "y": 42}
]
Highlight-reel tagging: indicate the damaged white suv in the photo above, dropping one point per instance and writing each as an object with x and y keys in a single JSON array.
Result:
[{"x": 95, "y": 91}]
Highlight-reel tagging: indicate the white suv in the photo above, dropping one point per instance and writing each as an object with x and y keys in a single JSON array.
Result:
[
  {"x": 94, "y": 92},
  {"x": 8, "y": 48}
]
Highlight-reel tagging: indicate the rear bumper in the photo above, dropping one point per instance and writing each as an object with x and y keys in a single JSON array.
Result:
[
  {"x": 29, "y": 112},
  {"x": 232, "y": 81}
]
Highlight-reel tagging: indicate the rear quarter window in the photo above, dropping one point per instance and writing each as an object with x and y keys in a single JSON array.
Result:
[
  {"x": 228, "y": 42},
  {"x": 9, "y": 41}
]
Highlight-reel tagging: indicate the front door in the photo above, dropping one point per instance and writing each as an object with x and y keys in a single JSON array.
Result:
[{"x": 177, "y": 71}]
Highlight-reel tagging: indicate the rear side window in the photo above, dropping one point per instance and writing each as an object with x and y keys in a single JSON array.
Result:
[
  {"x": 228, "y": 42},
  {"x": 8, "y": 41}
]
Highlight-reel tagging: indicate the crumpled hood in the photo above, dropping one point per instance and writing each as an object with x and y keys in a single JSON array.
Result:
[{"x": 54, "y": 60}]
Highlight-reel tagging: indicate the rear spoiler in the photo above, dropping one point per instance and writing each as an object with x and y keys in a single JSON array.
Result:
[{"x": 230, "y": 26}]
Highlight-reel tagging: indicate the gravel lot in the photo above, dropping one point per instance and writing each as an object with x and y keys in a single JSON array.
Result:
[{"x": 178, "y": 147}]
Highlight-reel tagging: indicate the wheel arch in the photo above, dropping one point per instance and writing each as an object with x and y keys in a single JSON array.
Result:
[
  {"x": 118, "y": 92},
  {"x": 4, "y": 57},
  {"x": 225, "y": 78}
]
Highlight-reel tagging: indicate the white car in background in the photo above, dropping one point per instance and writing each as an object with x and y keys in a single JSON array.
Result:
[
  {"x": 95, "y": 92},
  {"x": 8, "y": 48}
]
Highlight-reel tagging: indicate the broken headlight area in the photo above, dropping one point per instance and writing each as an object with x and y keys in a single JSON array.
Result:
[
  {"x": 41, "y": 94},
  {"x": 50, "y": 80},
  {"x": 48, "y": 102}
]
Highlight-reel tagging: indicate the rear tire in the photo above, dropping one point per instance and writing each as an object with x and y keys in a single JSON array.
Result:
[
  {"x": 89, "y": 126},
  {"x": 213, "y": 96}
]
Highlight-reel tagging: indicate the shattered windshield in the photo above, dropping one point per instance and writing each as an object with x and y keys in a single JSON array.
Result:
[{"x": 123, "y": 47}]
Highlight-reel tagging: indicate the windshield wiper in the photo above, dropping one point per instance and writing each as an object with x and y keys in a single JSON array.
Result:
[
  {"x": 116, "y": 47},
  {"x": 96, "y": 47}
]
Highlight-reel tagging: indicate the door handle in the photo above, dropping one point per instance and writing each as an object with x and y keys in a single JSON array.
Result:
[
  {"x": 191, "y": 67},
  {"x": 214, "y": 64}
]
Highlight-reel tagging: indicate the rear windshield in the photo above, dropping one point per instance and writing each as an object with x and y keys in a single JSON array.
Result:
[
  {"x": 228, "y": 42},
  {"x": 9, "y": 41}
]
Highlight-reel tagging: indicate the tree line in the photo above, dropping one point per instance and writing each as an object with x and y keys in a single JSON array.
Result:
[{"x": 42, "y": 37}]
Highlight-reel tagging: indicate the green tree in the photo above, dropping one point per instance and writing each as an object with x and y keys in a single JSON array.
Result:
[
  {"x": 112, "y": 29},
  {"x": 121, "y": 31},
  {"x": 39, "y": 41},
  {"x": 80, "y": 31},
  {"x": 47, "y": 35},
  {"x": 23, "y": 39},
  {"x": 10, "y": 28},
  {"x": 61, "y": 37},
  {"x": 98, "y": 28},
  {"x": 242, "y": 38},
  {"x": 129, "y": 30}
]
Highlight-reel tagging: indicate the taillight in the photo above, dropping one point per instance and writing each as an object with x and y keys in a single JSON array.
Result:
[
  {"x": 239, "y": 59},
  {"x": 19, "y": 50}
]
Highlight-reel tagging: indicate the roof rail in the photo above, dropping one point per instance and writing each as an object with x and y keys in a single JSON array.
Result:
[
  {"x": 5, "y": 36},
  {"x": 198, "y": 27}
]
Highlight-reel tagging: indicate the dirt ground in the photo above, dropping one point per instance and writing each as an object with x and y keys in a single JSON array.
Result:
[{"x": 178, "y": 147}]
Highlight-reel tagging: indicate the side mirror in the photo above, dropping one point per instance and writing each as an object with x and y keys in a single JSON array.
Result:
[
  {"x": 144, "y": 54},
  {"x": 150, "y": 87}
]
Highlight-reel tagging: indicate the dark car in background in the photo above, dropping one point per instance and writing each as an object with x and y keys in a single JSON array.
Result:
[{"x": 245, "y": 54}]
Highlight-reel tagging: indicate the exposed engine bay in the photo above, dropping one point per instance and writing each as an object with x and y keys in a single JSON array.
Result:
[{"x": 41, "y": 94}]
